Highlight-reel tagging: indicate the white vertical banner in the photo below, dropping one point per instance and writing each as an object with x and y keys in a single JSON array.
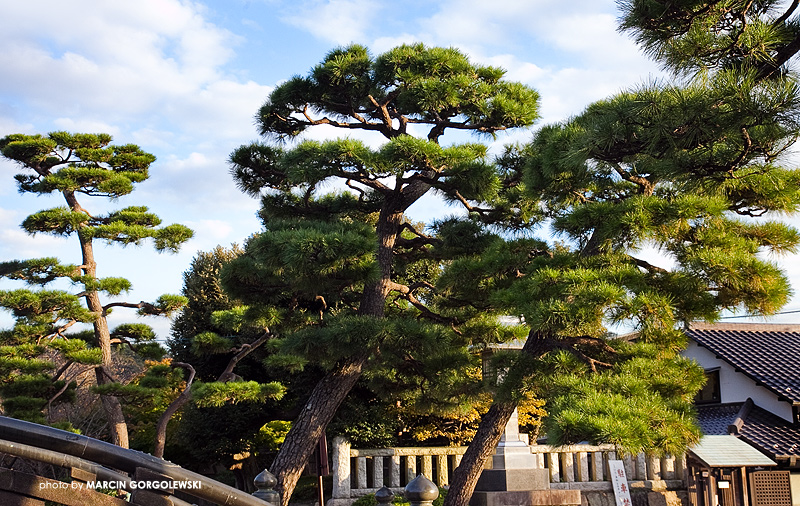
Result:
[{"x": 620, "y": 483}]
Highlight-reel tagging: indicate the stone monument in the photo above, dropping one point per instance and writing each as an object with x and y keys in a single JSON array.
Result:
[{"x": 512, "y": 477}]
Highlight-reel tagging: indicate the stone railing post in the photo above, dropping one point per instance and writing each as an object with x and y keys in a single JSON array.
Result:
[
  {"x": 384, "y": 496},
  {"x": 341, "y": 470},
  {"x": 421, "y": 491},
  {"x": 265, "y": 483}
]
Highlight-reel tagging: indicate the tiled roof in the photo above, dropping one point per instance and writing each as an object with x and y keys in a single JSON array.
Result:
[
  {"x": 770, "y": 355},
  {"x": 715, "y": 418},
  {"x": 773, "y": 434},
  {"x": 727, "y": 451},
  {"x": 769, "y": 433}
]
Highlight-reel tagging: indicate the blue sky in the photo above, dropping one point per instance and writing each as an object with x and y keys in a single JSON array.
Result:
[{"x": 184, "y": 79}]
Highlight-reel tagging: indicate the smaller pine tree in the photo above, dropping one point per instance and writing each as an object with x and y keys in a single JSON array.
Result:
[{"x": 38, "y": 356}]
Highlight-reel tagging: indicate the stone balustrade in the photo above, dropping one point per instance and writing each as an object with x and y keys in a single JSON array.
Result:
[
  {"x": 586, "y": 467},
  {"x": 358, "y": 472}
]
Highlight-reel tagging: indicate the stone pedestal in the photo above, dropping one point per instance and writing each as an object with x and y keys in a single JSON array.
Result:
[{"x": 512, "y": 477}]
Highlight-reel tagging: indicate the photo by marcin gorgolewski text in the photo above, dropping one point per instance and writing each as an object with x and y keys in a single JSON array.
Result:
[{"x": 124, "y": 485}]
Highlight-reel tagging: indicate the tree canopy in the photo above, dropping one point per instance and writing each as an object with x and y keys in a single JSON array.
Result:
[
  {"x": 76, "y": 166},
  {"x": 346, "y": 274}
]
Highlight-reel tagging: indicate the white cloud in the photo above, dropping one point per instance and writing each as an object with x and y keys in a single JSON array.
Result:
[
  {"x": 338, "y": 21},
  {"x": 86, "y": 125},
  {"x": 222, "y": 102},
  {"x": 383, "y": 44},
  {"x": 110, "y": 60},
  {"x": 18, "y": 244}
]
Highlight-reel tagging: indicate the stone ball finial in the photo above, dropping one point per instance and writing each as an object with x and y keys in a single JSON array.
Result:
[
  {"x": 384, "y": 495},
  {"x": 421, "y": 490},
  {"x": 265, "y": 482}
]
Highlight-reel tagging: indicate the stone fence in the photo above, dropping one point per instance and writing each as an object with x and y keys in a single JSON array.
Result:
[{"x": 358, "y": 472}]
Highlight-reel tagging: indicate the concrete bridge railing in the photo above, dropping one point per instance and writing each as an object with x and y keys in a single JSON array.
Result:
[{"x": 94, "y": 464}]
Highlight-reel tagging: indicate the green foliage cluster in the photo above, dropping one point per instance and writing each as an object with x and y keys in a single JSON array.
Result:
[
  {"x": 695, "y": 36},
  {"x": 398, "y": 500},
  {"x": 430, "y": 85},
  {"x": 75, "y": 165}
]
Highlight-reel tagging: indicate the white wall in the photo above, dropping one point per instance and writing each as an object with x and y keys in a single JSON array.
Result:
[{"x": 737, "y": 387}]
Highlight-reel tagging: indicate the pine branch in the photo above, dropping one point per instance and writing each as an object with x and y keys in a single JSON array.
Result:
[
  {"x": 786, "y": 53},
  {"x": 63, "y": 389},
  {"x": 62, "y": 369},
  {"x": 364, "y": 179},
  {"x": 407, "y": 293},
  {"x": 571, "y": 344},
  {"x": 378, "y": 127},
  {"x": 174, "y": 406},
  {"x": 418, "y": 242},
  {"x": 785, "y": 15},
  {"x": 645, "y": 184},
  {"x": 148, "y": 307},
  {"x": 469, "y": 207},
  {"x": 647, "y": 265},
  {"x": 59, "y": 332},
  {"x": 241, "y": 352},
  {"x": 384, "y": 112}
]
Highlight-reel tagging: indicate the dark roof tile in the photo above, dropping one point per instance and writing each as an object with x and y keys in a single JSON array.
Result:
[
  {"x": 770, "y": 358},
  {"x": 714, "y": 419},
  {"x": 769, "y": 433},
  {"x": 773, "y": 435}
]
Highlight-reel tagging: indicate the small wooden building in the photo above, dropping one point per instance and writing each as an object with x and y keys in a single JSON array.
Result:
[{"x": 725, "y": 471}]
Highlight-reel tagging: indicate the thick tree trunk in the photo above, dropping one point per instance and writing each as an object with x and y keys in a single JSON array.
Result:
[
  {"x": 117, "y": 426},
  {"x": 329, "y": 393},
  {"x": 490, "y": 430},
  {"x": 482, "y": 447},
  {"x": 310, "y": 424}
]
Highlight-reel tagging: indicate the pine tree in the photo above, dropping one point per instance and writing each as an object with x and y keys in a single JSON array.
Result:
[
  {"x": 215, "y": 333},
  {"x": 77, "y": 165},
  {"x": 330, "y": 267},
  {"x": 700, "y": 37},
  {"x": 204, "y": 294},
  {"x": 672, "y": 166}
]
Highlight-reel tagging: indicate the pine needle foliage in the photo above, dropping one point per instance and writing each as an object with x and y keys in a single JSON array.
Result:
[
  {"x": 691, "y": 37},
  {"x": 77, "y": 166},
  {"x": 345, "y": 272}
]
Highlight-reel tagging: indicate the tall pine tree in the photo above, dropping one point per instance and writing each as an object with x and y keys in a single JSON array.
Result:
[
  {"x": 333, "y": 264},
  {"x": 685, "y": 168},
  {"x": 77, "y": 165}
]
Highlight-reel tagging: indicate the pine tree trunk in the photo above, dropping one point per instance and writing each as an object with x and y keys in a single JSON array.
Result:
[
  {"x": 488, "y": 435},
  {"x": 489, "y": 432},
  {"x": 310, "y": 424},
  {"x": 329, "y": 393},
  {"x": 118, "y": 428}
]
